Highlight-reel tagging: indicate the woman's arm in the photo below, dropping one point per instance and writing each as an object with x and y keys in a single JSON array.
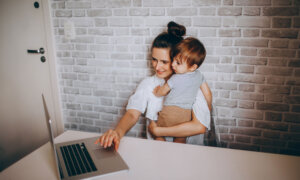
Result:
[
  {"x": 190, "y": 128},
  {"x": 127, "y": 121},
  {"x": 137, "y": 104},
  {"x": 207, "y": 94},
  {"x": 114, "y": 136}
]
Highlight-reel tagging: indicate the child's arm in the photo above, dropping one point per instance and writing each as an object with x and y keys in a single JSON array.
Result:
[
  {"x": 161, "y": 90},
  {"x": 207, "y": 94}
]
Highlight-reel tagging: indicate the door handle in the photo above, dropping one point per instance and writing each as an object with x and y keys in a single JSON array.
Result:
[{"x": 36, "y": 51}]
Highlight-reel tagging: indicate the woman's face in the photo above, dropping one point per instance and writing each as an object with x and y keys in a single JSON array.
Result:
[{"x": 161, "y": 62}]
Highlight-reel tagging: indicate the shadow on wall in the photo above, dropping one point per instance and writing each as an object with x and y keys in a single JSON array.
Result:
[{"x": 211, "y": 137}]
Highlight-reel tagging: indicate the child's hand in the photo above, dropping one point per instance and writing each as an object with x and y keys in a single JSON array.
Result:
[
  {"x": 160, "y": 91},
  {"x": 155, "y": 91}
]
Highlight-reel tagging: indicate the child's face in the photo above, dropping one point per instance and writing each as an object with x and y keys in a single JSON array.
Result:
[{"x": 180, "y": 67}]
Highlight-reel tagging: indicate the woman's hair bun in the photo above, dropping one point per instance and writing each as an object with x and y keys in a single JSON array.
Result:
[{"x": 176, "y": 29}]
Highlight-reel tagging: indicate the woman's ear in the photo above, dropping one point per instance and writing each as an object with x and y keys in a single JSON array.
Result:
[{"x": 193, "y": 67}]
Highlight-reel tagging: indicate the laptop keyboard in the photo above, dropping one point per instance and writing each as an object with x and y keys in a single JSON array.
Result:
[{"x": 77, "y": 159}]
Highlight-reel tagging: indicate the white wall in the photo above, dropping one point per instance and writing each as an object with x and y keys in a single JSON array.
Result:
[{"x": 252, "y": 65}]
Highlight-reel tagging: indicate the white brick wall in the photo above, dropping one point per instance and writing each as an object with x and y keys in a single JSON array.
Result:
[{"x": 252, "y": 66}]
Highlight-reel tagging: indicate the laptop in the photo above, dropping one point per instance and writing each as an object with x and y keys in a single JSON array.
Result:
[{"x": 82, "y": 159}]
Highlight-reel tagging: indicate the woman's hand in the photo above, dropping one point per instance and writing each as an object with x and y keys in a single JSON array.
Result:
[
  {"x": 108, "y": 138},
  {"x": 153, "y": 128},
  {"x": 114, "y": 136}
]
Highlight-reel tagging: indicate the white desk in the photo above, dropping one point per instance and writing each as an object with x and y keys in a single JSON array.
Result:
[{"x": 162, "y": 160}]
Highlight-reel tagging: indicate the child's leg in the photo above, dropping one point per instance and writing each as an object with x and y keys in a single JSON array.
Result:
[
  {"x": 179, "y": 140},
  {"x": 160, "y": 139}
]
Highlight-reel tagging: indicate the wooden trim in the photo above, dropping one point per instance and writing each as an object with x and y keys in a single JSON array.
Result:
[{"x": 58, "y": 122}]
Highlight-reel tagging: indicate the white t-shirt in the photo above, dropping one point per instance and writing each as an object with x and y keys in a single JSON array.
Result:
[{"x": 146, "y": 102}]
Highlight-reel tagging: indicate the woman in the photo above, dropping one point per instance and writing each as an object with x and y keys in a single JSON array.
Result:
[{"x": 143, "y": 100}]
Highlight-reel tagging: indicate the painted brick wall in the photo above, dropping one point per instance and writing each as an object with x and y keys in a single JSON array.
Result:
[{"x": 252, "y": 67}]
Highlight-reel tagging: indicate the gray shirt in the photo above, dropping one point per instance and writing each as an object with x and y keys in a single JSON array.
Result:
[{"x": 184, "y": 88}]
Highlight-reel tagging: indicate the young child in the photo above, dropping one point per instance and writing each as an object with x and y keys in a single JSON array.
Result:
[{"x": 181, "y": 89}]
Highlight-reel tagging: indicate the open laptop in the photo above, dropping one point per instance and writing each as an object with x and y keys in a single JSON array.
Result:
[{"x": 82, "y": 159}]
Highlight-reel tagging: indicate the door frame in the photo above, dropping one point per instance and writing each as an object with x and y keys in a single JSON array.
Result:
[{"x": 59, "y": 127}]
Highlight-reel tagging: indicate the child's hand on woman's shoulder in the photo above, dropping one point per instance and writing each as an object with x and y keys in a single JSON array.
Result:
[{"x": 155, "y": 91}]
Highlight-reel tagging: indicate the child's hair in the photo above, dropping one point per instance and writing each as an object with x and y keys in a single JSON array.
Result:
[
  {"x": 170, "y": 38},
  {"x": 189, "y": 50}
]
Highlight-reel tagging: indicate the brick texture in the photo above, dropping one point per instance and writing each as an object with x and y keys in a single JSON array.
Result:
[{"x": 252, "y": 64}]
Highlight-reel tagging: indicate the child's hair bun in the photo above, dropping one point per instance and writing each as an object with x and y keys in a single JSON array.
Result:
[{"x": 176, "y": 29}]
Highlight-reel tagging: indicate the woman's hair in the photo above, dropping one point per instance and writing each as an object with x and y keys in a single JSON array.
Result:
[
  {"x": 170, "y": 38},
  {"x": 189, "y": 50}
]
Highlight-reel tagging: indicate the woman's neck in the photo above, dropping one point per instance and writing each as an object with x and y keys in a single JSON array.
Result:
[{"x": 167, "y": 78}]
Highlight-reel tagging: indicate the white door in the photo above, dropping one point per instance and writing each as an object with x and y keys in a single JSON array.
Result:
[{"x": 23, "y": 79}]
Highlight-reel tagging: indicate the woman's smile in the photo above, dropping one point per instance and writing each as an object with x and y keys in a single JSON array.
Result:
[{"x": 161, "y": 62}]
